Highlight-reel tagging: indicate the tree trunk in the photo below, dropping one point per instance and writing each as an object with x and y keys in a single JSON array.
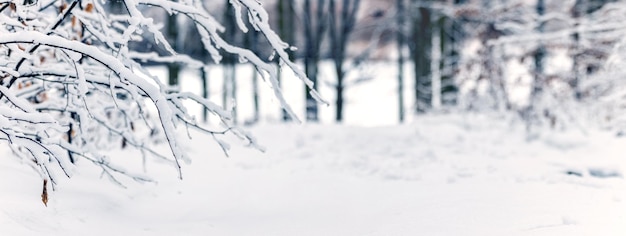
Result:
[
  {"x": 204, "y": 73},
  {"x": 451, "y": 39},
  {"x": 340, "y": 87},
  {"x": 286, "y": 31},
  {"x": 230, "y": 90},
  {"x": 255, "y": 97},
  {"x": 311, "y": 63},
  {"x": 579, "y": 9},
  {"x": 254, "y": 36},
  {"x": 230, "y": 73},
  {"x": 340, "y": 29},
  {"x": 531, "y": 113},
  {"x": 421, "y": 38},
  {"x": 435, "y": 63},
  {"x": 400, "y": 42},
  {"x": 539, "y": 58},
  {"x": 313, "y": 32},
  {"x": 173, "y": 69}
]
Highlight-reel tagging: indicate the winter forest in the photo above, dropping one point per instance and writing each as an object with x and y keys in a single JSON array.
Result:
[{"x": 312, "y": 117}]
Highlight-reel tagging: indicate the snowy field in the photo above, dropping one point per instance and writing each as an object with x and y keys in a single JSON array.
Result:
[
  {"x": 441, "y": 175},
  {"x": 435, "y": 175}
]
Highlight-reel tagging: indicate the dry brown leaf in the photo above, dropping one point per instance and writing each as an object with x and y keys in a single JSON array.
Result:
[
  {"x": 89, "y": 7},
  {"x": 62, "y": 7},
  {"x": 44, "y": 194}
]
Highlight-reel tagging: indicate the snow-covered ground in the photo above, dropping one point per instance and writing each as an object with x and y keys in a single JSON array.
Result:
[{"x": 441, "y": 175}]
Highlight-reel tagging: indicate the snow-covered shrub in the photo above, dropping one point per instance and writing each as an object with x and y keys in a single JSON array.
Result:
[{"x": 70, "y": 85}]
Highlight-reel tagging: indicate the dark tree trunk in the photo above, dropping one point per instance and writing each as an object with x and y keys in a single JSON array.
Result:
[
  {"x": 452, "y": 38},
  {"x": 340, "y": 29},
  {"x": 255, "y": 97},
  {"x": 172, "y": 32},
  {"x": 340, "y": 87},
  {"x": 400, "y": 41},
  {"x": 229, "y": 63},
  {"x": 286, "y": 30},
  {"x": 421, "y": 47},
  {"x": 531, "y": 114},
  {"x": 576, "y": 67},
  {"x": 313, "y": 31},
  {"x": 204, "y": 74},
  {"x": 311, "y": 72},
  {"x": 539, "y": 58},
  {"x": 252, "y": 44}
]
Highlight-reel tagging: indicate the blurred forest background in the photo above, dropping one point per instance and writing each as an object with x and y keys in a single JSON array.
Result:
[{"x": 543, "y": 61}]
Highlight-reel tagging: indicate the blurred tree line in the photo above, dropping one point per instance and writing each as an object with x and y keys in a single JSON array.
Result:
[{"x": 458, "y": 52}]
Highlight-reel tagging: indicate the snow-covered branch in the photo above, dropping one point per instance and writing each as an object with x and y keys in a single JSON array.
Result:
[{"x": 71, "y": 84}]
